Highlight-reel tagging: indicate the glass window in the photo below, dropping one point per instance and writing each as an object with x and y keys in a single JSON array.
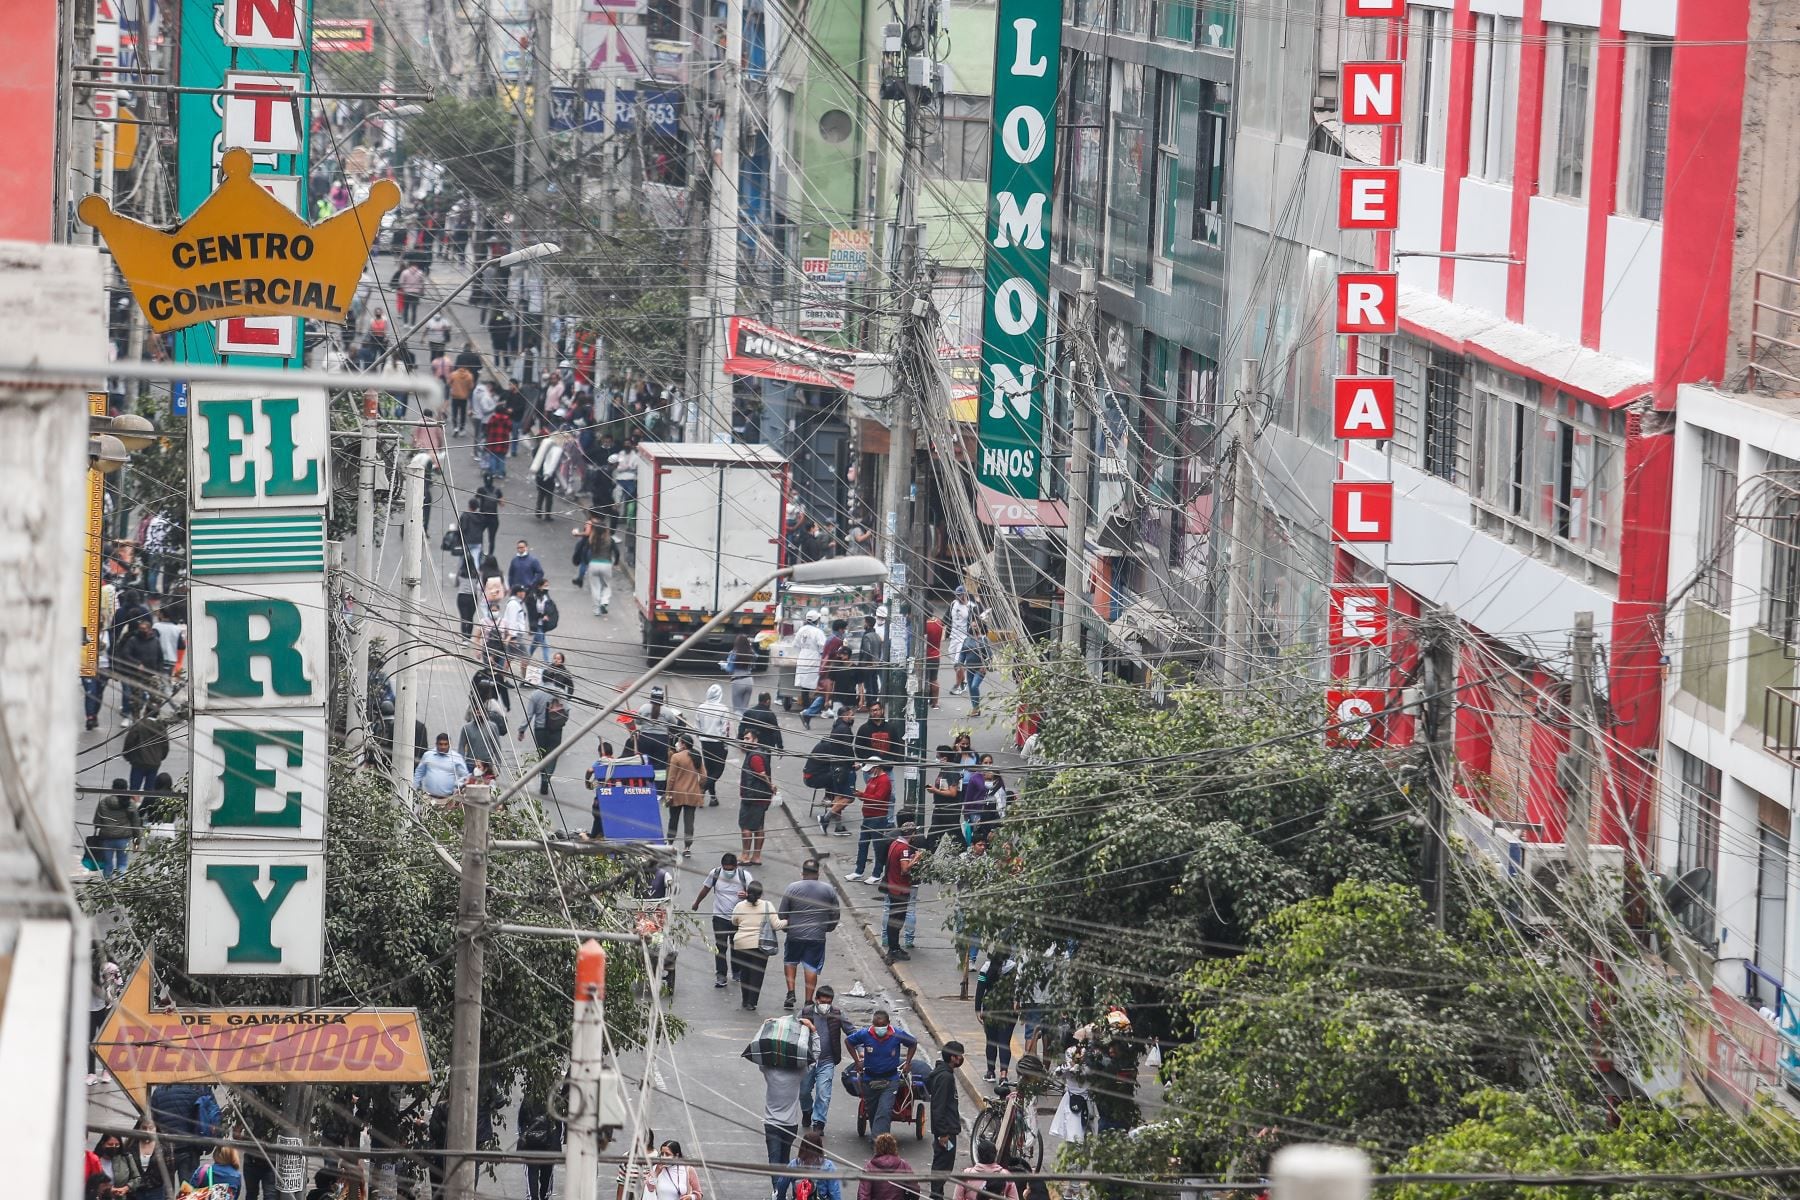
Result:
[
  {"x": 1174, "y": 21},
  {"x": 1427, "y": 84},
  {"x": 1773, "y": 826},
  {"x": 1218, "y": 24},
  {"x": 1446, "y": 434},
  {"x": 1780, "y": 523},
  {"x": 1209, "y": 164},
  {"x": 1494, "y": 107},
  {"x": 1697, "y": 838},
  {"x": 1644, "y": 127},
  {"x": 1718, "y": 492},
  {"x": 1125, "y": 192},
  {"x": 1168, "y": 182},
  {"x": 1128, "y": 16},
  {"x": 1084, "y": 185},
  {"x": 1568, "y": 109},
  {"x": 957, "y": 140}
]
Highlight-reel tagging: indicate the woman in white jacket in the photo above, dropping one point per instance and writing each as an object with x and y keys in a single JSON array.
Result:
[
  {"x": 809, "y": 656},
  {"x": 713, "y": 722}
]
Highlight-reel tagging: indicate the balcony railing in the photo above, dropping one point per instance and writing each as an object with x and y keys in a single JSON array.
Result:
[
  {"x": 1775, "y": 333},
  {"x": 1781, "y": 722}
]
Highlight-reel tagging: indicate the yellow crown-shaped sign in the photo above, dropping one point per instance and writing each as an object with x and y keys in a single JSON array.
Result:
[{"x": 242, "y": 254}]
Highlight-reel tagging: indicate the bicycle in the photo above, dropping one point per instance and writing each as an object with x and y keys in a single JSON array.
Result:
[{"x": 1010, "y": 1122}]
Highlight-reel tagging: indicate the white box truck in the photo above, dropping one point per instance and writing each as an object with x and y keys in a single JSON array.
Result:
[{"x": 709, "y": 524}]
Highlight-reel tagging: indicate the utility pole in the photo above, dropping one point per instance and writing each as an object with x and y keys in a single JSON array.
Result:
[
  {"x": 1579, "y": 774},
  {"x": 587, "y": 1050},
  {"x": 608, "y": 163},
  {"x": 471, "y": 961},
  {"x": 1238, "y": 607},
  {"x": 365, "y": 578},
  {"x": 1081, "y": 452},
  {"x": 1437, "y": 650},
  {"x": 698, "y": 113},
  {"x": 405, "y": 656},
  {"x": 715, "y": 397}
]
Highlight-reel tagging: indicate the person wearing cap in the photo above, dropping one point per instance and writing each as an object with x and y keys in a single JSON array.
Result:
[
  {"x": 829, "y": 1024},
  {"x": 810, "y": 908},
  {"x": 877, "y": 796},
  {"x": 897, "y": 886},
  {"x": 961, "y": 610},
  {"x": 655, "y": 721},
  {"x": 726, "y": 883},
  {"x": 809, "y": 655},
  {"x": 946, "y": 1113}
]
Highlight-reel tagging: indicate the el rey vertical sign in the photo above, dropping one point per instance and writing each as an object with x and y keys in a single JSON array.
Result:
[
  {"x": 1015, "y": 321},
  {"x": 258, "y": 482}
]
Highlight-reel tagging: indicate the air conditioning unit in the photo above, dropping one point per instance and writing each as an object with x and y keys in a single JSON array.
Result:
[{"x": 1544, "y": 875}]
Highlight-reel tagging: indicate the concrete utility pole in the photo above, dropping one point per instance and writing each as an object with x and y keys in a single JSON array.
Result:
[
  {"x": 1437, "y": 650},
  {"x": 365, "y": 577},
  {"x": 698, "y": 113},
  {"x": 471, "y": 961},
  {"x": 1242, "y": 506},
  {"x": 1081, "y": 456},
  {"x": 715, "y": 397},
  {"x": 1579, "y": 775},
  {"x": 1319, "y": 1173},
  {"x": 405, "y": 656},
  {"x": 587, "y": 1051}
]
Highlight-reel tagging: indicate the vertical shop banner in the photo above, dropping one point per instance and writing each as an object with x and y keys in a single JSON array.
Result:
[
  {"x": 1027, "y": 77},
  {"x": 262, "y": 50},
  {"x": 258, "y": 480},
  {"x": 91, "y": 556}
]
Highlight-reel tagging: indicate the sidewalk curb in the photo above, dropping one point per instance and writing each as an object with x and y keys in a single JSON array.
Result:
[{"x": 908, "y": 986}]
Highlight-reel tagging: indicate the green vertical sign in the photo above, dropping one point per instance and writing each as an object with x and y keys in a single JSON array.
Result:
[
  {"x": 1015, "y": 317},
  {"x": 206, "y": 56}
]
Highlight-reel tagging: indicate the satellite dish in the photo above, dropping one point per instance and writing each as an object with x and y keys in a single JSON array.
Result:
[{"x": 1687, "y": 890}]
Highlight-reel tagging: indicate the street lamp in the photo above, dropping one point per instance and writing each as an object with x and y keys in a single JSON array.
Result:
[
  {"x": 853, "y": 570},
  {"x": 527, "y": 254}
]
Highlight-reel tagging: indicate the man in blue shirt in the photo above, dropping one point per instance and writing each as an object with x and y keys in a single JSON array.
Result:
[
  {"x": 524, "y": 571},
  {"x": 441, "y": 773},
  {"x": 882, "y": 1052}
]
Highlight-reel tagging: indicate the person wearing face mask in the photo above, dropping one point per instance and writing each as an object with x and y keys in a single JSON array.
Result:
[
  {"x": 671, "y": 1180},
  {"x": 882, "y": 1052}
]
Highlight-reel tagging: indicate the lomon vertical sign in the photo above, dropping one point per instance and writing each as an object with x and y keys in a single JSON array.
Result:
[
  {"x": 258, "y": 484},
  {"x": 1027, "y": 76},
  {"x": 1362, "y": 407},
  {"x": 248, "y": 58}
]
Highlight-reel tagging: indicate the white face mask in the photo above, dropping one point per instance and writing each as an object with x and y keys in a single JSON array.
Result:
[{"x": 880, "y": 1031}]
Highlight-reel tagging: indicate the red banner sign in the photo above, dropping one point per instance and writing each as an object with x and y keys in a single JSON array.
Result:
[
  {"x": 1362, "y": 511},
  {"x": 1352, "y": 716},
  {"x": 1370, "y": 93},
  {"x": 1362, "y": 407},
  {"x": 1368, "y": 197},
  {"x": 1368, "y": 302},
  {"x": 1359, "y": 616},
  {"x": 769, "y": 353}
]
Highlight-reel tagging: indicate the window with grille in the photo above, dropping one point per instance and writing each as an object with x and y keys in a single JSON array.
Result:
[
  {"x": 1779, "y": 519},
  {"x": 1718, "y": 491},
  {"x": 1644, "y": 129},
  {"x": 1697, "y": 837},
  {"x": 1568, "y": 109},
  {"x": 1493, "y": 112},
  {"x": 1445, "y": 449}
]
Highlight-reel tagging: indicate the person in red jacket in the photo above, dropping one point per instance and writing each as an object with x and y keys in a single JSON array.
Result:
[
  {"x": 497, "y": 439},
  {"x": 887, "y": 1161},
  {"x": 901, "y": 859},
  {"x": 877, "y": 798}
]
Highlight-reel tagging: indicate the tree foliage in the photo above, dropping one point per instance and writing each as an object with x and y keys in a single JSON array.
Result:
[
  {"x": 1351, "y": 1018},
  {"x": 390, "y": 920},
  {"x": 472, "y": 139},
  {"x": 1546, "y": 1135},
  {"x": 1207, "y": 817}
]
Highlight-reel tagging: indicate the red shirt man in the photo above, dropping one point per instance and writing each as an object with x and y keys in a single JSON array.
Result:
[{"x": 877, "y": 795}]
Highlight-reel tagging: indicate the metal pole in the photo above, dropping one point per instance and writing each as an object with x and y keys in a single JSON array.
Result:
[
  {"x": 1579, "y": 775},
  {"x": 1243, "y": 505},
  {"x": 608, "y": 164},
  {"x": 1438, "y": 678},
  {"x": 465, "y": 1037},
  {"x": 1319, "y": 1173},
  {"x": 404, "y": 655},
  {"x": 587, "y": 1048},
  {"x": 698, "y": 111},
  {"x": 365, "y": 577},
  {"x": 1081, "y": 450},
  {"x": 716, "y": 397}
]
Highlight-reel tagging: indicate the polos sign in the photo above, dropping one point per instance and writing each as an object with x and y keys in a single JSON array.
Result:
[{"x": 1027, "y": 76}]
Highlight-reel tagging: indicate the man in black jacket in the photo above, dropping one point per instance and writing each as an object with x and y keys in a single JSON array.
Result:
[
  {"x": 761, "y": 717},
  {"x": 137, "y": 659},
  {"x": 946, "y": 1115}
]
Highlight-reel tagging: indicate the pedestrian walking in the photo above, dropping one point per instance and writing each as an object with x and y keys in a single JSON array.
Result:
[
  {"x": 479, "y": 741},
  {"x": 961, "y": 610},
  {"x": 671, "y": 1180},
  {"x": 105, "y": 985},
  {"x": 755, "y": 926},
  {"x": 887, "y": 1162},
  {"x": 871, "y": 660},
  {"x": 146, "y": 746},
  {"x": 897, "y": 886},
  {"x": 599, "y": 564},
  {"x": 740, "y": 665},
  {"x": 547, "y": 715},
  {"x": 976, "y": 654},
  {"x": 712, "y": 720},
  {"x": 496, "y": 436},
  {"x": 756, "y": 791},
  {"x": 411, "y": 286},
  {"x": 682, "y": 791},
  {"x": 117, "y": 827},
  {"x": 830, "y": 1026},
  {"x": 726, "y": 884},
  {"x": 654, "y": 725},
  {"x": 834, "y": 761},
  {"x": 998, "y": 1007},
  {"x": 462, "y": 386},
  {"x": 782, "y": 1081},
  {"x": 877, "y": 798},
  {"x": 882, "y": 1050},
  {"x": 761, "y": 717},
  {"x": 538, "y": 1130},
  {"x": 137, "y": 659},
  {"x": 524, "y": 570},
  {"x": 809, "y": 906},
  {"x": 837, "y": 676},
  {"x": 437, "y": 336},
  {"x": 441, "y": 773},
  {"x": 809, "y": 656},
  {"x": 223, "y": 1178},
  {"x": 946, "y": 1113},
  {"x": 489, "y": 495},
  {"x": 545, "y": 617},
  {"x": 810, "y": 1157}
]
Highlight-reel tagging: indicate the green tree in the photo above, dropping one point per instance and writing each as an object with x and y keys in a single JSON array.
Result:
[
  {"x": 1170, "y": 833},
  {"x": 1351, "y": 1018},
  {"x": 390, "y": 919},
  {"x": 472, "y": 139},
  {"x": 1546, "y": 1135}
]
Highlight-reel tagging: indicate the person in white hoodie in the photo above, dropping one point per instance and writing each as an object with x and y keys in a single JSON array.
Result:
[
  {"x": 713, "y": 721},
  {"x": 809, "y": 656}
]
